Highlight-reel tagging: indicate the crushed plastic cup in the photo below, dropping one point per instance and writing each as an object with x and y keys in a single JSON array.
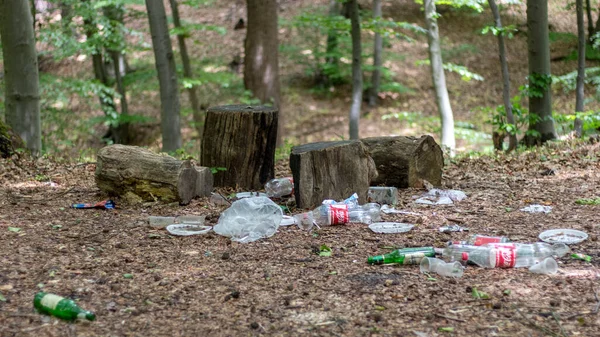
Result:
[
  {"x": 188, "y": 229},
  {"x": 547, "y": 266},
  {"x": 441, "y": 197},
  {"x": 537, "y": 209},
  {"x": 441, "y": 267},
  {"x": 250, "y": 219}
]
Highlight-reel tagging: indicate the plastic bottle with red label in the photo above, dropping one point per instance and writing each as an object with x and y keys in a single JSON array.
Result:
[
  {"x": 503, "y": 255},
  {"x": 338, "y": 214},
  {"x": 480, "y": 240}
]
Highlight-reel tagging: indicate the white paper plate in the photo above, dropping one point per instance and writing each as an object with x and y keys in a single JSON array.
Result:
[
  {"x": 390, "y": 227},
  {"x": 188, "y": 229},
  {"x": 242, "y": 195},
  {"x": 566, "y": 236}
]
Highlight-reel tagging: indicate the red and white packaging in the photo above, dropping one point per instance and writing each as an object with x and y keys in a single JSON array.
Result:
[{"x": 337, "y": 214}]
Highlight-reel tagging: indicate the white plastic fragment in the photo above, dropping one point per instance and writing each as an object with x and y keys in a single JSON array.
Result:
[
  {"x": 250, "y": 219},
  {"x": 537, "y": 209}
]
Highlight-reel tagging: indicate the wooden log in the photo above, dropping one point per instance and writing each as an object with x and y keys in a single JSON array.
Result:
[
  {"x": 406, "y": 161},
  {"x": 122, "y": 170},
  {"x": 330, "y": 170},
  {"x": 242, "y": 140}
]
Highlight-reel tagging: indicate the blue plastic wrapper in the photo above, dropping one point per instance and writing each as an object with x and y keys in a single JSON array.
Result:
[{"x": 106, "y": 204}]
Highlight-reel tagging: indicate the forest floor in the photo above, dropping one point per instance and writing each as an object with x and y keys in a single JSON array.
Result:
[{"x": 207, "y": 285}]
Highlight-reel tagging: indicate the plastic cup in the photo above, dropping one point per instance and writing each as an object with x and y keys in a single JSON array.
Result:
[
  {"x": 440, "y": 267},
  {"x": 547, "y": 266}
]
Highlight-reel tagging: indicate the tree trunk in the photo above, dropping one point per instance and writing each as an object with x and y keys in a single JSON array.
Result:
[
  {"x": 187, "y": 72},
  {"x": 439, "y": 79},
  {"x": 330, "y": 170},
  {"x": 512, "y": 136},
  {"x": 377, "y": 58},
  {"x": 167, "y": 76},
  {"x": 588, "y": 10},
  {"x": 579, "y": 95},
  {"x": 406, "y": 161},
  {"x": 261, "y": 63},
  {"x": 239, "y": 142},
  {"x": 331, "y": 51},
  {"x": 539, "y": 71},
  {"x": 357, "y": 82},
  {"x": 21, "y": 78},
  {"x": 125, "y": 170}
]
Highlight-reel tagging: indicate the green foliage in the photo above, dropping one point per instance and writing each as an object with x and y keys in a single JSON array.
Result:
[
  {"x": 590, "y": 119},
  {"x": 283, "y": 152},
  {"x": 523, "y": 118},
  {"x": 568, "y": 82},
  {"x": 215, "y": 170},
  {"x": 538, "y": 84},
  {"x": 464, "y": 73},
  {"x": 588, "y": 201},
  {"x": 507, "y": 31}
]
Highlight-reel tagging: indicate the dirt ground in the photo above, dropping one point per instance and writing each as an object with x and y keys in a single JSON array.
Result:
[{"x": 208, "y": 285}]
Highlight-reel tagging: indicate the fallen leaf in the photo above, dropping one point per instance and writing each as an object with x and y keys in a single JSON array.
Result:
[{"x": 14, "y": 229}]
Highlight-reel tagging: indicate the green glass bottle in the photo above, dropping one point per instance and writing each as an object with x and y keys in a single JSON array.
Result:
[
  {"x": 60, "y": 307},
  {"x": 403, "y": 256}
]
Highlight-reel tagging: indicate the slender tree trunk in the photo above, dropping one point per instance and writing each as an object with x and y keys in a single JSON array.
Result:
[
  {"x": 331, "y": 53},
  {"x": 21, "y": 78},
  {"x": 439, "y": 79},
  {"x": 167, "y": 76},
  {"x": 187, "y": 72},
  {"x": 377, "y": 58},
  {"x": 261, "y": 63},
  {"x": 512, "y": 137},
  {"x": 539, "y": 71},
  {"x": 588, "y": 10},
  {"x": 579, "y": 95},
  {"x": 357, "y": 82},
  {"x": 33, "y": 13}
]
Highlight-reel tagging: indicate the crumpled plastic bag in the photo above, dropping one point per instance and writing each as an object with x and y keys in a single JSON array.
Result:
[
  {"x": 441, "y": 197},
  {"x": 537, "y": 209},
  {"x": 250, "y": 219}
]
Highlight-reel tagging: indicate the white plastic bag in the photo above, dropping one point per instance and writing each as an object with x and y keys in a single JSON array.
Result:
[{"x": 250, "y": 219}]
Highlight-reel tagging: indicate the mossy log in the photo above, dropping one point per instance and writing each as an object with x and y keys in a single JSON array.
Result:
[
  {"x": 406, "y": 161},
  {"x": 122, "y": 170},
  {"x": 330, "y": 170}
]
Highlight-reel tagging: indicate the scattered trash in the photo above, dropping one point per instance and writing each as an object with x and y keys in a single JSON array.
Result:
[
  {"x": 250, "y": 219},
  {"x": 60, "y": 307},
  {"x": 191, "y": 219},
  {"x": 188, "y": 229},
  {"x": 391, "y": 210},
  {"x": 452, "y": 228},
  {"x": 287, "y": 221},
  {"x": 504, "y": 255},
  {"x": 338, "y": 214},
  {"x": 164, "y": 221},
  {"x": 219, "y": 200},
  {"x": 351, "y": 201},
  {"x": 280, "y": 187},
  {"x": 537, "y": 209},
  {"x": 480, "y": 240},
  {"x": 390, "y": 227},
  {"x": 106, "y": 204},
  {"x": 566, "y": 236},
  {"x": 161, "y": 221},
  {"x": 579, "y": 256},
  {"x": 537, "y": 250},
  {"x": 403, "y": 256},
  {"x": 441, "y": 267},
  {"x": 383, "y": 195},
  {"x": 547, "y": 266},
  {"x": 441, "y": 197},
  {"x": 242, "y": 195}
]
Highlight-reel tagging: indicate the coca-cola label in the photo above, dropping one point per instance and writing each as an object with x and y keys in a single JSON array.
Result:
[
  {"x": 503, "y": 245},
  {"x": 338, "y": 214},
  {"x": 481, "y": 240},
  {"x": 505, "y": 257}
]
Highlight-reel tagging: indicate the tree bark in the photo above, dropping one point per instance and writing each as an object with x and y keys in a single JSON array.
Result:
[
  {"x": 579, "y": 91},
  {"x": 588, "y": 10},
  {"x": 167, "y": 76},
  {"x": 187, "y": 72},
  {"x": 539, "y": 68},
  {"x": 330, "y": 170},
  {"x": 261, "y": 62},
  {"x": 377, "y": 58},
  {"x": 21, "y": 78},
  {"x": 357, "y": 82},
  {"x": 122, "y": 170},
  {"x": 241, "y": 140},
  {"x": 405, "y": 161},
  {"x": 438, "y": 77},
  {"x": 512, "y": 136}
]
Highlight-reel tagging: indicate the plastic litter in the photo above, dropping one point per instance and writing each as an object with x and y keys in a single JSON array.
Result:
[
  {"x": 191, "y": 219},
  {"x": 250, "y": 219},
  {"x": 391, "y": 210},
  {"x": 280, "y": 187},
  {"x": 287, "y": 221},
  {"x": 188, "y": 229},
  {"x": 547, "y": 266},
  {"x": 537, "y": 209},
  {"x": 390, "y": 227},
  {"x": 106, "y": 204},
  {"x": 403, "y": 256},
  {"x": 441, "y": 197},
  {"x": 566, "y": 236},
  {"x": 383, "y": 195},
  {"x": 441, "y": 267},
  {"x": 579, "y": 256},
  {"x": 452, "y": 228},
  {"x": 161, "y": 221},
  {"x": 242, "y": 195},
  {"x": 480, "y": 240}
]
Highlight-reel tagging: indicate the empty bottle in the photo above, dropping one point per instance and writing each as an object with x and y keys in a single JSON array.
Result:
[
  {"x": 279, "y": 187},
  {"x": 480, "y": 240},
  {"x": 338, "y": 214},
  {"x": 441, "y": 267},
  {"x": 403, "y": 256},
  {"x": 60, "y": 307}
]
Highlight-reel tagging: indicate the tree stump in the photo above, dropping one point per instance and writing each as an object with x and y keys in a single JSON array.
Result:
[
  {"x": 406, "y": 161},
  {"x": 242, "y": 140},
  {"x": 330, "y": 170},
  {"x": 122, "y": 170}
]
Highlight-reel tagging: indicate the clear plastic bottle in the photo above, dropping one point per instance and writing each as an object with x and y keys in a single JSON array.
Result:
[
  {"x": 279, "y": 187},
  {"x": 480, "y": 240},
  {"x": 338, "y": 214},
  {"x": 502, "y": 255}
]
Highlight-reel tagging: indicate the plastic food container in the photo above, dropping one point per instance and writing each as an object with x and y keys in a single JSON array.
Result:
[
  {"x": 565, "y": 235},
  {"x": 188, "y": 229},
  {"x": 390, "y": 227}
]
